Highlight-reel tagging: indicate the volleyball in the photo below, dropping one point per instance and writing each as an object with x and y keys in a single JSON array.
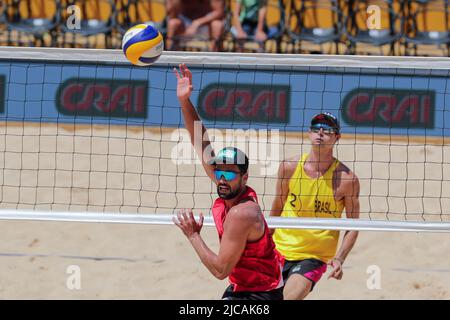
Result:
[{"x": 142, "y": 44}]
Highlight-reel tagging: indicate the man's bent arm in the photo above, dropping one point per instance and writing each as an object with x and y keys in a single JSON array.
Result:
[
  {"x": 281, "y": 190},
  {"x": 232, "y": 245},
  {"x": 352, "y": 209}
]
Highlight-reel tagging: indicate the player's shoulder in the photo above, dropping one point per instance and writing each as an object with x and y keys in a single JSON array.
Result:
[
  {"x": 292, "y": 160},
  {"x": 346, "y": 174},
  {"x": 288, "y": 165},
  {"x": 246, "y": 211}
]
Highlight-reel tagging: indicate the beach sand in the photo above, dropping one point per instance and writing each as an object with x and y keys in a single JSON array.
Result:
[{"x": 101, "y": 169}]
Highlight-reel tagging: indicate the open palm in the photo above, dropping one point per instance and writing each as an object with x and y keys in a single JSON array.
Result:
[{"x": 184, "y": 84}]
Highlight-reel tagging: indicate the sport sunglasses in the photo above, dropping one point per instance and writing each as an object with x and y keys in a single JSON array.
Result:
[
  {"x": 326, "y": 130},
  {"x": 227, "y": 175}
]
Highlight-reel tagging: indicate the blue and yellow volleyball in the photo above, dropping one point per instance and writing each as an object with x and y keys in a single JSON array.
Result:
[{"x": 142, "y": 44}]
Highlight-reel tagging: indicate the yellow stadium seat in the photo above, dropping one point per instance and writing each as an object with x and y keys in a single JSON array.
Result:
[
  {"x": 316, "y": 22},
  {"x": 132, "y": 12},
  {"x": 31, "y": 22},
  {"x": 428, "y": 24},
  {"x": 87, "y": 22},
  {"x": 373, "y": 24}
]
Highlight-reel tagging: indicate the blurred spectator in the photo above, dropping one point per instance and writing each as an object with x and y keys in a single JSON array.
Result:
[
  {"x": 249, "y": 18},
  {"x": 190, "y": 18}
]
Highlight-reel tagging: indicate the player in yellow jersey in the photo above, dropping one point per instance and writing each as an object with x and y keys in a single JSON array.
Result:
[{"x": 314, "y": 185}]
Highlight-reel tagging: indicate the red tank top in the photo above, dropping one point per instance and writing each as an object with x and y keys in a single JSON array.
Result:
[{"x": 259, "y": 268}]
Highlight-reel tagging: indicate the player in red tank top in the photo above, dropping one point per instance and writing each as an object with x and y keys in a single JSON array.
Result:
[{"x": 247, "y": 253}]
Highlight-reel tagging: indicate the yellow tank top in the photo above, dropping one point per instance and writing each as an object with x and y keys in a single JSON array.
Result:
[{"x": 309, "y": 198}]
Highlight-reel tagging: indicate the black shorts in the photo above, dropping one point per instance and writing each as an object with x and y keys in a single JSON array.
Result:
[
  {"x": 311, "y": 269},
  {"x": 275, "y": 294}
]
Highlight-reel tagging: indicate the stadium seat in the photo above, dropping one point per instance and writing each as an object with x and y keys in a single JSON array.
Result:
[
  {"x": 2, "y": 13},
  {"x": 315, "y": 22},
  {"x": 275, "y": 22},
  {"x": 387, "y": 33},
  {"x": 97, "y": 20},
  {"x": 132, "y": 12},
  {"x": 428, "y": 23},
  {"x": 31, "y": 22},
  {"x": 2, "y": 23}
]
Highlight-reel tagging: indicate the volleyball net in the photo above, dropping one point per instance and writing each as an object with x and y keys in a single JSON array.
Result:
[{"x": 85, "y": 136}]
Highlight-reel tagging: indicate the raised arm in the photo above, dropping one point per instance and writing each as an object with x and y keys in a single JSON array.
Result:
[{"x": 192, "y": 122}]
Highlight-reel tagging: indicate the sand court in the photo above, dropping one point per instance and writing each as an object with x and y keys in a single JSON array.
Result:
[{"x": 112, "y": 169}]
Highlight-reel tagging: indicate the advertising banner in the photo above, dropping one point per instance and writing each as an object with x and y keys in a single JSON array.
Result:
[{"x": 370, "y": 103}]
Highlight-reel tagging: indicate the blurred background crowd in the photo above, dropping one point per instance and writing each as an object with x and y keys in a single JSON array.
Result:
[{"x": 397, "y": 27}]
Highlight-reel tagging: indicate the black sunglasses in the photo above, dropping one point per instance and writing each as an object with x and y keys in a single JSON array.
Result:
[{"x": 327, "y": 131}]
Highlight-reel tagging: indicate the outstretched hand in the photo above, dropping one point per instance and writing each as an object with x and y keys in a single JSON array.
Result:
[
  {"x": 184, "y": 82},
  {"x": 186, "y": 222}
]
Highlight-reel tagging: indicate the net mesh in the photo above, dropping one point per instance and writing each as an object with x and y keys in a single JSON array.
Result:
[{"x": 66, "y": 148}]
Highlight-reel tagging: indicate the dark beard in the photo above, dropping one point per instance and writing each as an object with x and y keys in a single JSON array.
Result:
[{"x": 228, "y": 196}]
